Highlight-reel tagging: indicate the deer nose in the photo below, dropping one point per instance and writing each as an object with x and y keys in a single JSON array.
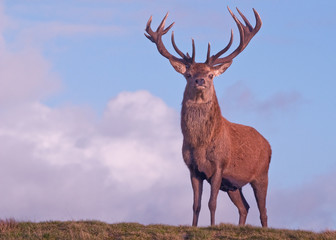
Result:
[{"x": 200, "y": 81}]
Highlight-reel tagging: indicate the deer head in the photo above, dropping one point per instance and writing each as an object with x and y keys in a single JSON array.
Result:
[{"x": 200, "y": 76}]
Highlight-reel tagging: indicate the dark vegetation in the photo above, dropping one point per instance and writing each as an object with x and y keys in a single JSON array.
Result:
[{"x": 73, "y": 230}]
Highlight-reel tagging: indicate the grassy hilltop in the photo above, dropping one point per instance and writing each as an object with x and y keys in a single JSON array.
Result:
[{"x": 73, "y": 230}]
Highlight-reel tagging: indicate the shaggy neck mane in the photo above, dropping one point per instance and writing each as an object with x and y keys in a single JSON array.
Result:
[{"x": 199, "y": 120}]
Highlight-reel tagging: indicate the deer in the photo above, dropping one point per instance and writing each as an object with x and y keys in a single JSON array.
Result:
[{"x": 225, "y": 154}]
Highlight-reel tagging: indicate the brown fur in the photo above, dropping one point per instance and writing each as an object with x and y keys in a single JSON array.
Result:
[{"x": 226, "y": 154}]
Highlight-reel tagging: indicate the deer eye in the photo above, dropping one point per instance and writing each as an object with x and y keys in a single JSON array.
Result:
[{"x": 210, "y": 76}]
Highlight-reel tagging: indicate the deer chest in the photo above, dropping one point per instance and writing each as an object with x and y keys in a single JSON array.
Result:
[{"x": 197, "y": 125}]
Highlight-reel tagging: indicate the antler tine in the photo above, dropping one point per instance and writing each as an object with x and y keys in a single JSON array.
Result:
[
  {"x": 179, "y": 52},
  {"x": 258, "y": 21},
  {"x": 193, "y": 51},
  {"x": 168, "y": 28},
  {"x": 213, "y": 58},
  {"x": 239, "y": 25},
  {"x": 226, "y": 48},
  {"x": 149, "y": 30},
  {"x": 156, "y": 37},
  {"x": 248, "y": 24},
  {"x": 246, "y": 34},
  {"x": 208, "y": 54},
  {"x": 162, "y": 24}
]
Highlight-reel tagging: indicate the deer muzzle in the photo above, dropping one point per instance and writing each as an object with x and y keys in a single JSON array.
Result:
[{"x": 200, "y": 83}]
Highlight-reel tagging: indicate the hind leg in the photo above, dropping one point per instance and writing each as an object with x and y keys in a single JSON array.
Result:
[
  {"x": 239, "y": 200},
  {"x": 260, "y": 192}
]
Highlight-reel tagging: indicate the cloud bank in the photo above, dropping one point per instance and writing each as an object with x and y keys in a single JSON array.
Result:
[{"x": 63, "y": 164}]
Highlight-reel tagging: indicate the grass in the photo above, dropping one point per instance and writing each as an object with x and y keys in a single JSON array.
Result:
[{"x": 73, "y": 230}]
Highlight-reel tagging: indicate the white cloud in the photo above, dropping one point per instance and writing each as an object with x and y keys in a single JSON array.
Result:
[
  {"x": 55, "y": 160},
  {"x": 141, "y": 134}
]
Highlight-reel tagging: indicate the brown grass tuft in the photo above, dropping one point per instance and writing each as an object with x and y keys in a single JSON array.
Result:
[{"x": 7, "y": 225}]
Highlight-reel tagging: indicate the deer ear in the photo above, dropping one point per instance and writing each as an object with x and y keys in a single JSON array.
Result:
[
  {"x": 178, "y": 66},
  {"x": 218, "y": 70}
]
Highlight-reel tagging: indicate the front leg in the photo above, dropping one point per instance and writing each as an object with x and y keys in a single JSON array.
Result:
[
  {"x": 197, "y": 185},
  {"x": 215, "y": 182}
]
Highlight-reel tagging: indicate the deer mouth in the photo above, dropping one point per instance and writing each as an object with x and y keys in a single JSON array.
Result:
[{"x": 200, "y": 87}]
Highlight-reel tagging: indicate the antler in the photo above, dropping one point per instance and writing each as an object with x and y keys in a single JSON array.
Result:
[
  {"x": 156, "y": 37},
  {"x": 246, "y": 34}
]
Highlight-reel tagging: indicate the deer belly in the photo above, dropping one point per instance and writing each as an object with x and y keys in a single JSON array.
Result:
[
  {"x": 230, "y": 183},
  {"x": 226, "y": 185}
]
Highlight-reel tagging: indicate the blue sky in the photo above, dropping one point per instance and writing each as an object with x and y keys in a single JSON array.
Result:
[{"x": 87, "y": 97}]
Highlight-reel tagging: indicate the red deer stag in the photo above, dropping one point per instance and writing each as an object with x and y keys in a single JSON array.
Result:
[{"x": 226, "y": 154}]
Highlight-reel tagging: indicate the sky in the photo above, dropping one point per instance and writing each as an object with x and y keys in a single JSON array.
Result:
[{"x": 89, "y": 110}]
